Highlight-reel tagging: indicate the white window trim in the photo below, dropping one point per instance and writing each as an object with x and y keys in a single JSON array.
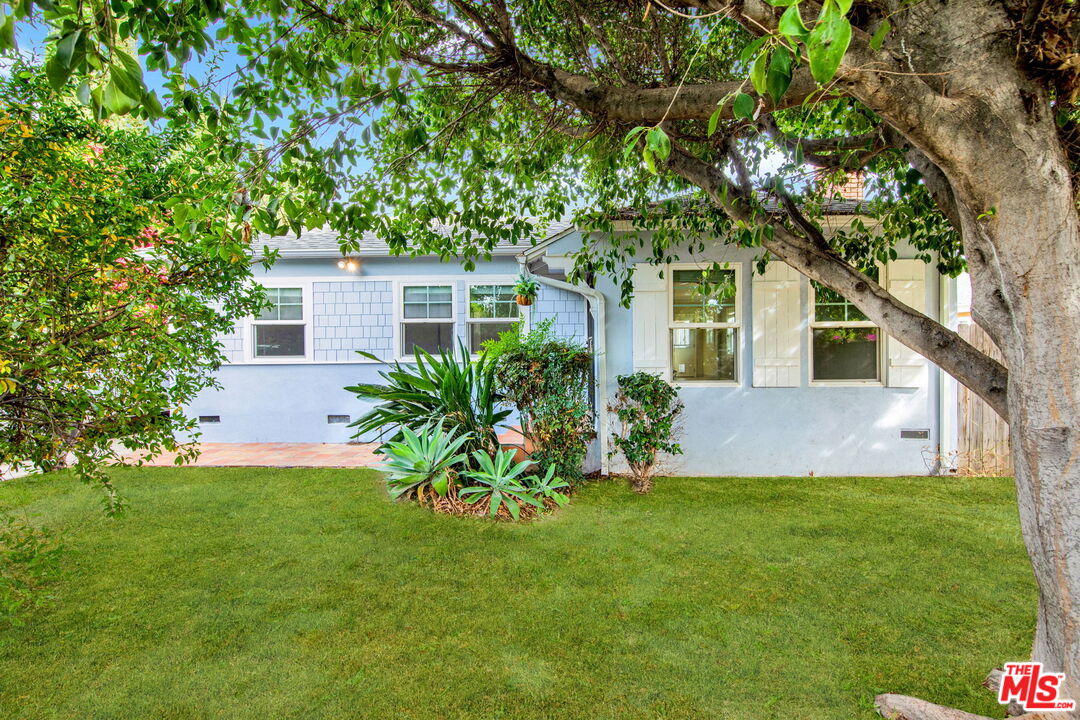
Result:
[
  {"x": 737, "y": 324},
  {"x": 523, "y": 310},
  {"x": 307, "y": 321},
  {"x": 399, "y": 311},
  {"x": 813, "y": 324}
]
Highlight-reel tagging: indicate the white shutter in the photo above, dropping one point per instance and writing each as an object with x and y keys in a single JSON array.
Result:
[
  {"x": 907, "y": 282},
  {"x": 650, "y": 313},
  {"x": 777, "y": 309}
]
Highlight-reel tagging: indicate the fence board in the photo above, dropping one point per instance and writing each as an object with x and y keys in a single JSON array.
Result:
[{"x": 983, "y": 442}]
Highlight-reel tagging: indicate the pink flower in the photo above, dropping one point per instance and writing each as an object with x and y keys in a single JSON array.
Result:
[
  {"x": 97, "y": 148},
  {"x": 123, "y": 262},
  {"x": 120, "y": 285},
  {"x": 837, "y": 337},
  {"x": 871, "y": 336}
]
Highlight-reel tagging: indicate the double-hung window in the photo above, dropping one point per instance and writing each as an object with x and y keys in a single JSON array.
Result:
[
  {"x": 427, "y": 318},
  {"x": 492, "y": 311},
  {"x": 280, "y": 331},
  {"x": 704, "y": 324},
  {"x": 845, "y": 345}
]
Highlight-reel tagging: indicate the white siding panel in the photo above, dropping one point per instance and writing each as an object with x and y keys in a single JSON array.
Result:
[
  {"x": 777, "y": 326},
  {"x": 907, "y": 282},
  {"x": 650, "y": 320}
]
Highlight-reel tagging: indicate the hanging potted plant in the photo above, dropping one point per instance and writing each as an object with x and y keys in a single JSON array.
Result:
[{"x": 526, "y": 289}]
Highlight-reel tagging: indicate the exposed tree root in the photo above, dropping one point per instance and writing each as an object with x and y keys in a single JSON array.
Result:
[{"x": 903, "y": 707}]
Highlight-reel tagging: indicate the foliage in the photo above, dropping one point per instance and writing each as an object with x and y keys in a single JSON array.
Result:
[
  {"x": 421, "y": 461},
  {"x": 548, "y": 487},
  {"x": 501, "y": 483},
  {"x": 547, "y": 380},
  {"x": 457, "y": 394},
  {"x": 29, "y": 557},
  {"x": 648, "y": 409},
  {"x": 110, "y": 301},
  {"x": 526, "y": 286}
]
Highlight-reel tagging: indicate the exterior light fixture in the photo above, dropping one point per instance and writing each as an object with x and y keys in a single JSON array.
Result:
[{"x": 348, "y": 264}]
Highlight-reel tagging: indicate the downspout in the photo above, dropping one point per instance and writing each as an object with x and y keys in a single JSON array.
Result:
[{"x": 595, "y": 300}]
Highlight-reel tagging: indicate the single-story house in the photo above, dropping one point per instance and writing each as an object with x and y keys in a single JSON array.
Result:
[{"x": 777, "y": 379}]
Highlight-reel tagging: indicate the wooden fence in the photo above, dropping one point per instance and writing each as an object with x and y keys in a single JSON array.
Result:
[{"x": 983, "y": 443}]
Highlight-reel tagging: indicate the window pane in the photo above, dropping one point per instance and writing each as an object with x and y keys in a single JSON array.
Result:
[
  {"x": 279, "y": 341},
  {"x": 433, "y": 301},
  {"x": 480, "y": 333},
  {"x": 698, "y": 298},
  {"x": 846, "y": 353},
  {"x": 703, "y": 353},
  {"x": 432, "y": 337},
  {"x": 830, "y": 306},
  {"x": 492, "y": 301},
  {"x": 286, "y": 304}
]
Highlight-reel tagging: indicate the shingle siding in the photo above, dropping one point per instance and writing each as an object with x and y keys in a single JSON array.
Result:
[
  {"x": 567, "y": 309},
  {"x": 352, "y": 316}
]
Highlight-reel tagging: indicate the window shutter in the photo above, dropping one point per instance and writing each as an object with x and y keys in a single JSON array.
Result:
[
  {"x": 777, "y": 307},
  {"x": 907, "y": 282},
  {"x": 650, "y": 313}
]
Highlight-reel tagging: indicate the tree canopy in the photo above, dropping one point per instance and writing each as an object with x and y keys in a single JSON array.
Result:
[{"x": 109, "y": 313}]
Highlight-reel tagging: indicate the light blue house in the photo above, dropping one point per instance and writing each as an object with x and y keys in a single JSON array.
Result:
[{"x": 777, "y": 380}]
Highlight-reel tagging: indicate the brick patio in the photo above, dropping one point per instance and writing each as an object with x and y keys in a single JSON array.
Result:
[
  {"x": 277, "y": 455},
  {"x": 338, "y": 455}
]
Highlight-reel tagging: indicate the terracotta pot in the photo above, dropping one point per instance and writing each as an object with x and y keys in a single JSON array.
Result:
[{"x": 523, "y": 300}]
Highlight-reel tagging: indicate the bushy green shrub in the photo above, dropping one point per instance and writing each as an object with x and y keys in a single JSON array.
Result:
[
  {"x": 647, "y": 409},
  {"x": 454, "y": 393},
  {"x": 29, "y": 557},
  {"x": 547, "y": 379}
]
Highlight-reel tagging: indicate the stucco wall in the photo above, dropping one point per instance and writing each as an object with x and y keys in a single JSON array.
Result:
[{"x": 749, "y": 431}]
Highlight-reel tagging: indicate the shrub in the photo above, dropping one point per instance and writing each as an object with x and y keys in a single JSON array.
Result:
[
  {"x": 422, "y": 463},
  {"x": 547, "y": 379},
  {"x": 29, "y": 557},
  {"x": 500, "y": 483},
  {"x": 456, "y": 394},
  {"x": 647, "y": 408}
]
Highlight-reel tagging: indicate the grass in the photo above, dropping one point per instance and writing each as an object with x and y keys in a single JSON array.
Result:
[{"x": 237, "y": 593}]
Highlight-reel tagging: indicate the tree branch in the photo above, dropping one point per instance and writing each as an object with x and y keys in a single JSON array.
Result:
[{"x": 982, "y": 374}]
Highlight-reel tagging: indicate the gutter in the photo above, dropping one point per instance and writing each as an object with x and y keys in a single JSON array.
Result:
[{"x": 595, "y": 300}]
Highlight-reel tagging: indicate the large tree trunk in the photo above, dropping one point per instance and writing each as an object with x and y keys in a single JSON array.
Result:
[{"x": 1022, "y": 240}]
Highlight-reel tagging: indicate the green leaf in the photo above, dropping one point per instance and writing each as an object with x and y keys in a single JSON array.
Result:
[
  {"x": 83, "y": 92},
  {"x": 743, "y": 107},
  {"x": 791, "y": 23},
  {"x": 7, "y": 34},
  {"x": 878, "y": 37},
  {"x": 658, "y": 141},
  {"x": 128, "y": 76},
  {"x": 650, "y": 161},
  {"x": 630, "y": 141},
  {"x": 56, "y": 72},
  {"x": 827, "y": 43},
  {"x": 783, "y": 3},
  {"x": 749, "y": 50},
  {"x": 757, "y": 72},
  {"x": 779, "y": 78},
  {"x": 65, "y": 49},
  {"x": 713, "y": 120},
  {"x": 845, "y": 5}
]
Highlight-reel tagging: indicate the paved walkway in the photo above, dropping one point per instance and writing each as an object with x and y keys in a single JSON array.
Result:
[
  {"x": 277, "y": 455},
  {"x": 290, "y": 454}
]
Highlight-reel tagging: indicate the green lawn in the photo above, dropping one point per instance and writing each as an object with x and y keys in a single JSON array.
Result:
[{"x": 306, "y": 594}]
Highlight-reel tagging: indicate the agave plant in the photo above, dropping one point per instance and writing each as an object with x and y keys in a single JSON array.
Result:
[
  {"x": 548, "y": 486},
  {"x": 455, "y": 393},
  {"x": 500, "y": 480},
  {"x": 421, "y": 460}
]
